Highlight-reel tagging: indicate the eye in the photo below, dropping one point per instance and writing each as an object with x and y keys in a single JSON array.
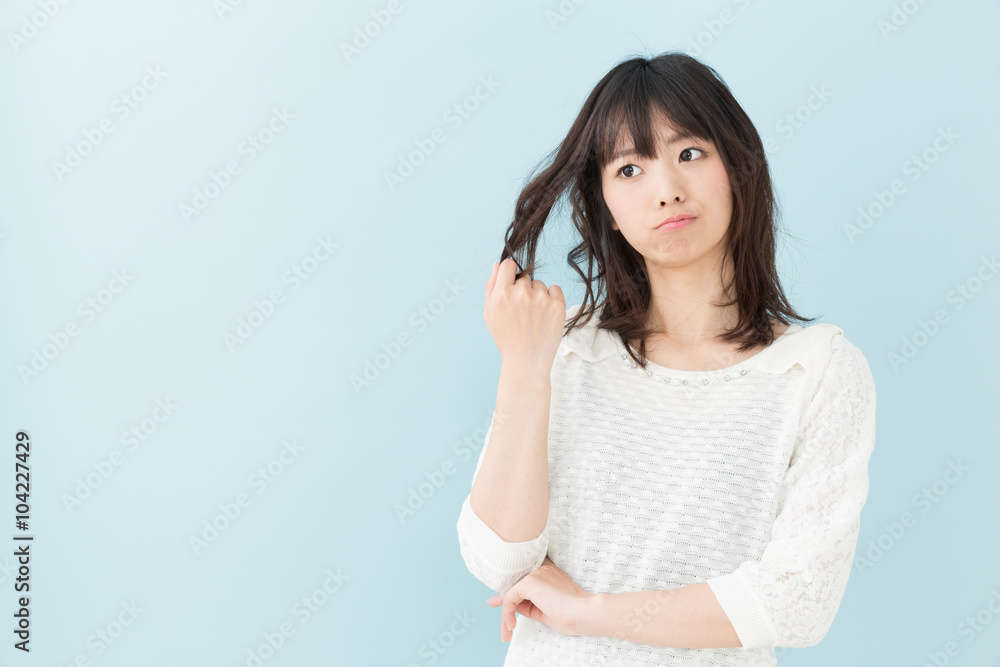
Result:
[
  {"x": 688, "y": 150},
  {"x": 633, "y": 167},
  {"x": 624, "y": 167}
]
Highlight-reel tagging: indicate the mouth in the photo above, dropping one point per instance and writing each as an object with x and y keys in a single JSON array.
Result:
[{"x": 676, "y": 222}]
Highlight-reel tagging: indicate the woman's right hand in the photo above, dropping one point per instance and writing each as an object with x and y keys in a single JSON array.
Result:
[{"x": 524, "y": 317}]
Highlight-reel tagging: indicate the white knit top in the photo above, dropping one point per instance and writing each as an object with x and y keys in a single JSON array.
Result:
[{"x": 751, "y": 478}]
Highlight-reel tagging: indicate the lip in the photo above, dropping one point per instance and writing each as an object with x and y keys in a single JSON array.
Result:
[{"x": 676, "y": 222}]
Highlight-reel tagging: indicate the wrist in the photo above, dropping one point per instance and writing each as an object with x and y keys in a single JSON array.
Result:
[
  {"x": 526, "y": 369},
  {"x": 594, "y": 616}
]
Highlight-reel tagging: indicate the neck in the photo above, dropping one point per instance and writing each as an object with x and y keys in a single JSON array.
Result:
[{"x": 683, "y": 303}]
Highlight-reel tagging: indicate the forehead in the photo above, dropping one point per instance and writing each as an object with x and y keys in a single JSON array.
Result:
[
  {"x": 666, "y": 138},
  {"x": 655, "y": 131},
  {"x": 657, "y": 124}
]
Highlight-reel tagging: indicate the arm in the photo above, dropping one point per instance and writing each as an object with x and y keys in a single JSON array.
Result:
[
  {"x": 684, "y": 617},
  {"x": 791, "y": 595},
  {"x": 502, "y": 527},
  {"x": 788, "y": 597}
]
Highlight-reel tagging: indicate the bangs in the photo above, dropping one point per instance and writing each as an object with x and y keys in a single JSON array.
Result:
[{"x": 630, "y": 117}]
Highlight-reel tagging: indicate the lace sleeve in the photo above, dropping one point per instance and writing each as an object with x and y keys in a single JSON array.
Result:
[
  {"x": 791, "y": 595},
  {"x": 490, "y": 559}
]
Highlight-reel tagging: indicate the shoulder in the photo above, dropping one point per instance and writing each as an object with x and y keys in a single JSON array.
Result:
[
  {"x": 849, "y": 367},
  {"x": 586, "y": 340},
  {"x": 825, "y": 354},
  {"x": 812, "y": 347},
  {"x": 833, "y": 364}
]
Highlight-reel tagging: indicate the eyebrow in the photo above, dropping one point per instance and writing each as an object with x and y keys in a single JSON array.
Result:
[{"x": 673, "y": 139}]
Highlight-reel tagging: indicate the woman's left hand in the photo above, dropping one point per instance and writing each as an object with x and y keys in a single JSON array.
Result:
[{"x": 548, "y": 595}]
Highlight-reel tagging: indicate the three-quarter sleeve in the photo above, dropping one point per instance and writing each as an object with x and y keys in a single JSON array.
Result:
[
  {"x": 789, "y": 597},
  {"x": 490, "y": 559}
]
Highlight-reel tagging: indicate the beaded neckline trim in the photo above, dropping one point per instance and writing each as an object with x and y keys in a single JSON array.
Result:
[{"x": 664, "y": 379}]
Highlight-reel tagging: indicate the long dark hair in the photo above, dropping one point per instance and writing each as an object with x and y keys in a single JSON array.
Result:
[{"x": 695, "y": 99}]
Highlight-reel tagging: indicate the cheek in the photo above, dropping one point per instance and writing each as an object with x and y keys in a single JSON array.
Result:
[
  {"x": 609, "y": 195},
  {"x": 615, "y": 204},
  {"x": 623, "y": 202},
  {"x": 721, "y": 185}
]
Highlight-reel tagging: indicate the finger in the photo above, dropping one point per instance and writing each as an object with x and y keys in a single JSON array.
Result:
[
  {"x": 489, "y": 290},
  {"x": 506, "y": 271},
  {"x": 525, "y": 279},
  {"x": 492, "y": 279},
  {"x": 504, "y": 276},
  {"x": 510, "y": 602},
  {"x": 524, "y": 274},
  {"x": 523, "y": 609}
]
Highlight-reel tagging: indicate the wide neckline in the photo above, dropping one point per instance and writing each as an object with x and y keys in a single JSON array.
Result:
[{"x": 728, "y": 370}]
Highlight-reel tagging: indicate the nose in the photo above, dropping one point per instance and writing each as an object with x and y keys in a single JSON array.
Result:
[{"x": 671, "y": 189}]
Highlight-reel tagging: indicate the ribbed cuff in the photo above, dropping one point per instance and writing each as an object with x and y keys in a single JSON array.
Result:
[
  {"x": 505, "y": 557},
  {"x": 750, "y": 619}
]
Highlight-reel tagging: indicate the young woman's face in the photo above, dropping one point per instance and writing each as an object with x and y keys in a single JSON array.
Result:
[{"x": 686, "y": 178}]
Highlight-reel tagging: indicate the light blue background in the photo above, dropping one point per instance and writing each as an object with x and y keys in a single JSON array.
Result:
[{"x": 334, "y": 505}]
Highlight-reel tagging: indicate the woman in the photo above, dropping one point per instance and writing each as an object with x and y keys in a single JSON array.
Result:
[{"x": 676, "y": 476}]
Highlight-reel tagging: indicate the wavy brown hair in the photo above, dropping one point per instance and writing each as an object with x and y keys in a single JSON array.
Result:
[{"x": 695, "y": 100}]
